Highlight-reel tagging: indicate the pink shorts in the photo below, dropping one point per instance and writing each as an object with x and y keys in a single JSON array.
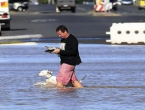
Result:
[{"x": 66, "y": 74}]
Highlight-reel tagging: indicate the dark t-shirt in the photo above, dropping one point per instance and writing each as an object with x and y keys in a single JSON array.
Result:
[{"x": 69, "y": 53}]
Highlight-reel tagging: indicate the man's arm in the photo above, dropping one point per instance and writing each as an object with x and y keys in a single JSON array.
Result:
[{"x": 72, "y": 49}]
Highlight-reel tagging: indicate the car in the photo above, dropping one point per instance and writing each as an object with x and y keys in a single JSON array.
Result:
[
  {"x": 4, "y": 15},
  {"x": 65, "y": 5},
  {"x": 140, "y": 4},
  {"x": 19, "y": 5},
  {"x": 126, "y": 2},
  {"x": 88, "y": 2}
]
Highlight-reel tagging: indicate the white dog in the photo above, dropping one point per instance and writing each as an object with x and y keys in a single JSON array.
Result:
[
  {"x": 49, "y": 76},
  {"x": 50, "y": 79}
]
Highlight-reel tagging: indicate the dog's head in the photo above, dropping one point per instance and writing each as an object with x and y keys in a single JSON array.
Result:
[{"x": 45, "y": 73}]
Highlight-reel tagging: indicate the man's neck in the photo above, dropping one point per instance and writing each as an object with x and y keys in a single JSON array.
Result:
[{"x": 67, "y": 35}]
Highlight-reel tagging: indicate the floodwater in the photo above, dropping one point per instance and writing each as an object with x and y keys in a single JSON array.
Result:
[{"x": 115, "y": 78}]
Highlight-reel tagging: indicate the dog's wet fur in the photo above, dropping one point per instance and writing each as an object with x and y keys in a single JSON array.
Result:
[{"x": 50, "y": 82}]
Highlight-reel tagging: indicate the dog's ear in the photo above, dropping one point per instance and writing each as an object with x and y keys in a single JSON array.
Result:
[{"x": 49, "y": 72}]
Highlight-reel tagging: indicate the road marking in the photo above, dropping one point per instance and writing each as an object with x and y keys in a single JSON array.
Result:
[
  {"x": 21, "y": 36},
  {"x": 93, "y": 13},
  {"x": 43, "y": 20},
  {"x": 79, "y": 8},
  {"x": 26, "y": 43}
]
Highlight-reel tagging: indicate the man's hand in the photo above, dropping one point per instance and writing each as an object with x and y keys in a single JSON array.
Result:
[{"x": 56, "y": 51}]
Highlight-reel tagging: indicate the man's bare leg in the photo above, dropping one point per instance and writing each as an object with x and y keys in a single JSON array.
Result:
[
  {"x": 77, "y": 84},
  {"x": 59, "y": 85}
]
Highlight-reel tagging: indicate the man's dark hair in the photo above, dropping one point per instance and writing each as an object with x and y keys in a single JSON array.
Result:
[{"x": 61, "y": 28}]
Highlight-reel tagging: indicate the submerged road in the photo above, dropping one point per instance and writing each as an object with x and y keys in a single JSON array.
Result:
[{"x": 115, "y": 78}]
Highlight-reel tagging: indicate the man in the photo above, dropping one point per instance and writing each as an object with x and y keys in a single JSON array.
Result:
[{"x": 69, "y": 56}]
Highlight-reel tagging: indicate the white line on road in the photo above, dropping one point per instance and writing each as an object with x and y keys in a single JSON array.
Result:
[
  {"x": 44, "y": 20},
  {"x": 17, "y": 44},
  {"x": 21, "y": 36},
  {"x": 79, "y": 8}
]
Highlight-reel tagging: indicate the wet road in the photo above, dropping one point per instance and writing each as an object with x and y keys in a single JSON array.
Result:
[
  {"x": 87, "y": 26},
  {"x": 115, "y": 78}
]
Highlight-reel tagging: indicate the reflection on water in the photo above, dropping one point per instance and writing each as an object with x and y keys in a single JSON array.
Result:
[{"x": 115, "y": 79}]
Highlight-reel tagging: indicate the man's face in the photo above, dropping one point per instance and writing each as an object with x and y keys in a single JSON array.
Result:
[{"x": 62, "y": 34}]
